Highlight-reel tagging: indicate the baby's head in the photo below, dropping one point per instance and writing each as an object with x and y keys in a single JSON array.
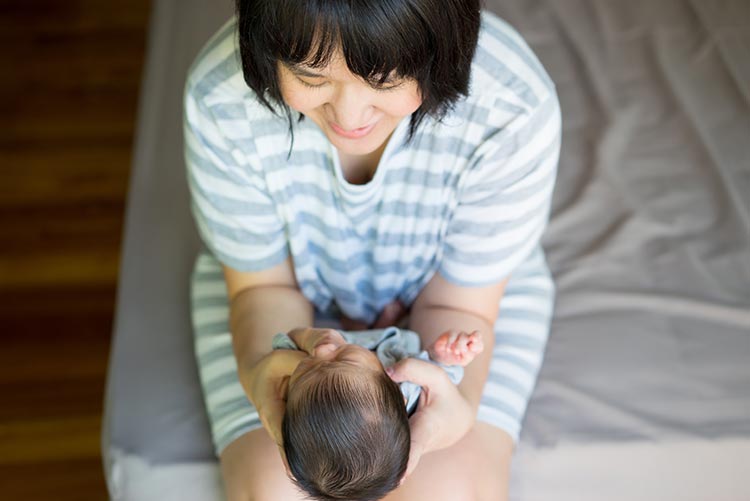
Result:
[{"x": 345, "y": 430}]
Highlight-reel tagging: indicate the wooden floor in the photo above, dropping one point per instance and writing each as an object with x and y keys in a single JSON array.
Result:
[{"x": 69, "y": 85}]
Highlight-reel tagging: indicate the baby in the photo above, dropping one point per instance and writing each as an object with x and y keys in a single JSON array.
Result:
[{"x": 346, "y": 430}]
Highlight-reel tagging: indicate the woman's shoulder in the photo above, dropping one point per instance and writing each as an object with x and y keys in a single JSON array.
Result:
[
  {"x": 506, "y": 70},
  {"x": 215, "y": 76}
]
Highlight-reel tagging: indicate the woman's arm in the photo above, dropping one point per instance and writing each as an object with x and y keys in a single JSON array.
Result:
[
  {"x": 443, "y": 306},
  {"x": 446, "y": 413},
  {"x": 262, "y": 304}
]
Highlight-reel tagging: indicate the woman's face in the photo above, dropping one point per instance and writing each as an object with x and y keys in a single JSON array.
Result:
[{"x": 356, "y": 118}]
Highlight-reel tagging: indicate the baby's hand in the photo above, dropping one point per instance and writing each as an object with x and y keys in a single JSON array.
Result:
[{"x": 456, "y": 348}]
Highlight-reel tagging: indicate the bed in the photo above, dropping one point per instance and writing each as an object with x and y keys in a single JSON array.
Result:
[{"x": 645, "y": 389}]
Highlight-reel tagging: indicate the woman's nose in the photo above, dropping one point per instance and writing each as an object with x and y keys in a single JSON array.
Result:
[{"x": 352, "y": 108}]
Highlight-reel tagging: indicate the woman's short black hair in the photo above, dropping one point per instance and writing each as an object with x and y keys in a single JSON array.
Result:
[
  {"x": 346, "y": 435},
  {"x": 430, "y": 41}
]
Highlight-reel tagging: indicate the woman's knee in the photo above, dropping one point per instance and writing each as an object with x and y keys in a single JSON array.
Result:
[{"x": 253, "y": 470}]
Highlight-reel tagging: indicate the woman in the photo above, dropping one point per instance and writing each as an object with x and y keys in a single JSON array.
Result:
[{"x": 344, "y": 157}]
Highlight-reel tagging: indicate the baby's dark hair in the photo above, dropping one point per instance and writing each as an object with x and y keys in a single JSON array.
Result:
[
  {"x": 346, "y": 434},
  {"x": 431, "y": 41}
]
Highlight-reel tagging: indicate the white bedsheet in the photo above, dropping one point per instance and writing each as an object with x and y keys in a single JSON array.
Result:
[{"x": 637, "y": 471}]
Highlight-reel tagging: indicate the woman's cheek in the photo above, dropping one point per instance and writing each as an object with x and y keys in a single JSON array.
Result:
[
  {"x": 401, "y": 104},
  {"x": 292, "y": 99},
  {"x": 299, "y": 100}
]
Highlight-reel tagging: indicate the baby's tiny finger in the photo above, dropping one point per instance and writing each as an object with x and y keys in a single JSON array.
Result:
[
  {"x": 452, "y": 336},
  {"x": 463, "y": 342},
  {"x": 451, "y": 341},
  {"x": 476, "y": 344}
]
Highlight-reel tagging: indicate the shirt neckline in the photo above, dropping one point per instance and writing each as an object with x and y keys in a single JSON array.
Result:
[{"x": 356, "y": 192}]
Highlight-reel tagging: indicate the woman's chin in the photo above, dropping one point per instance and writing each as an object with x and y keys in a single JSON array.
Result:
[{"x": 363, "y": 146}]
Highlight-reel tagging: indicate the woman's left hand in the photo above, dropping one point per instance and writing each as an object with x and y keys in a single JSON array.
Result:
[
  {"x": 266, "y": 386},
  {"x": 443, "y": 415}
]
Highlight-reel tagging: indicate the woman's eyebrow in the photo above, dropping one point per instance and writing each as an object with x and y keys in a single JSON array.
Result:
[{"x": 303, "y": 72}]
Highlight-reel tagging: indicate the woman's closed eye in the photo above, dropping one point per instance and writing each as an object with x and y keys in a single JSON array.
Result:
[
  {"x": 318, "y": 86},
  {"x": 311, "y": 86}
]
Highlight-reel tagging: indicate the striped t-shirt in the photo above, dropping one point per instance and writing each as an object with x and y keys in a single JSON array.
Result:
[{"x": 468, "y": 198}]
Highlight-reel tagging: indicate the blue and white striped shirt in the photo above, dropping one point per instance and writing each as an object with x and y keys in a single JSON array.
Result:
[{"x": 469, "y": 197}]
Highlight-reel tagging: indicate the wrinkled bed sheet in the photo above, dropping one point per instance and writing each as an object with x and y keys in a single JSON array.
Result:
[
  {"x": 646, "y": 383},
  {"x": 649, "y": 241}
]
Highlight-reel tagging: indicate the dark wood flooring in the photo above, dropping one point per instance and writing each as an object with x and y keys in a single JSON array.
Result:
[{"x": 69, "y": 85}]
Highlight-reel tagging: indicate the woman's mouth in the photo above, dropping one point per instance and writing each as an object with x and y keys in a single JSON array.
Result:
[{"x": 352, "y": 134}]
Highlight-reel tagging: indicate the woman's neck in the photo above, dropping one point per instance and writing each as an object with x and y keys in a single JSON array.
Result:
[{"x": 360, "y": 169}]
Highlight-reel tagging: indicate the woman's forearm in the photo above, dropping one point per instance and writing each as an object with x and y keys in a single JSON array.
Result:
[
  {"x": 258, "y": 313},
  {"x": 431, "y": 321}
]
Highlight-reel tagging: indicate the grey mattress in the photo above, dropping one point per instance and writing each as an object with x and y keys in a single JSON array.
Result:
[{"x": 646, "y": 383}]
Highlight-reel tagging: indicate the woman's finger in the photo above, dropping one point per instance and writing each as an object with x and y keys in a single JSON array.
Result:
[
  {"x": 415, "y": 454},
  {"x": 419, "y": 372}
]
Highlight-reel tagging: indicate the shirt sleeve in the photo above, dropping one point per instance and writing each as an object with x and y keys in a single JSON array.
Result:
[
  {"x": 234, "y": 213},
  {"x": 504, "y": 199}
]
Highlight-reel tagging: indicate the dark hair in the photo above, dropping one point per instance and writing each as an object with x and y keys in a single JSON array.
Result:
[
  {"x": 431, "y": 41},
  {"x": 346, "y": 435}
]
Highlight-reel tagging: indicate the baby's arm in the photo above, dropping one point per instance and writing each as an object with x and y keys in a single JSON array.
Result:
[{"x": 456, "y": 348}]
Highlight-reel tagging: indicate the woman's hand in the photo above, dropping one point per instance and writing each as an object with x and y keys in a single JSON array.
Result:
[
  {"x": 443, "y": 415},
  {"x": 267, "y": 381},
  {"x": 266, "y": 386}
]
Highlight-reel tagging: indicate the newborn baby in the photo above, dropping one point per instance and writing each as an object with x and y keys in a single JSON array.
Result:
[{"x": 346, "y": 430}]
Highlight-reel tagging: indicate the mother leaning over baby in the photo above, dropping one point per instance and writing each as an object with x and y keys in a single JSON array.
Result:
[{"x": 348, "y": 155}]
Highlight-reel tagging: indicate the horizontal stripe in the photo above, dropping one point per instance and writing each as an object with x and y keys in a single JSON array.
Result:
[
  {"x": 507, "y": 35},
  {"x": 504, "y": 75},
  {"x": 209, "y": 293}
]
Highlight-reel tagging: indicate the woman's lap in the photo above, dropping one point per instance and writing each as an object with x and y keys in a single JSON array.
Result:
[
  {"x": 475, "y": 469},
  {"x": 520, "y": 336}
]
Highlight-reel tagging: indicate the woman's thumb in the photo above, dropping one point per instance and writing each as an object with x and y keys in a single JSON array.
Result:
[{"x": 416, "y": 371}]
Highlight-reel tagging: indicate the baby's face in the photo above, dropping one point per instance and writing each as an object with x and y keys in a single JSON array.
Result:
[{"x": 348, "y": 357}]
